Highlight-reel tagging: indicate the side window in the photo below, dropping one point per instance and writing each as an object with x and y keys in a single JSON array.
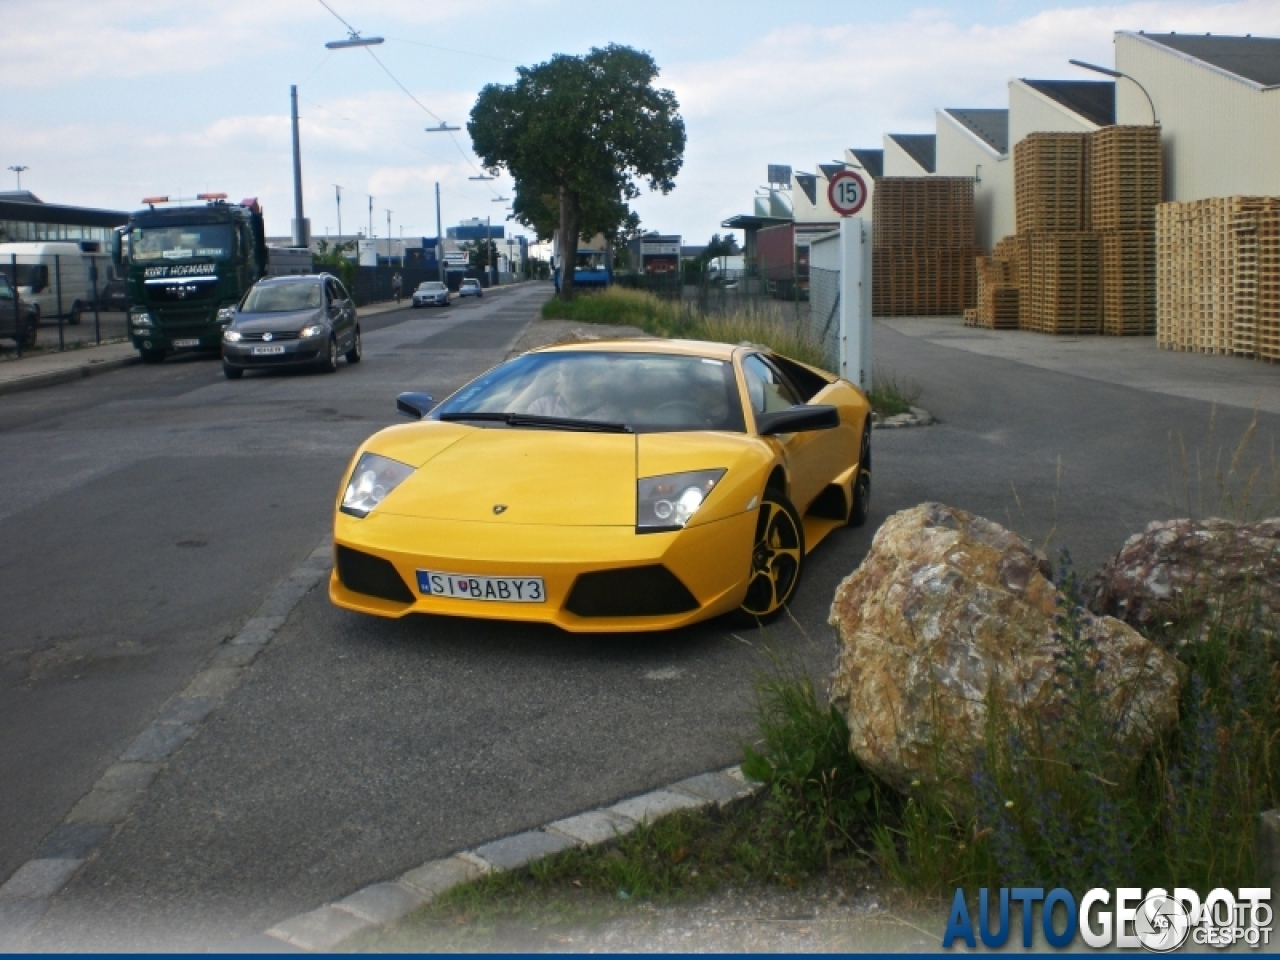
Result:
[
  {"x": 331, "y": 292},
  {"x": 340, "y": 291},
  {"x": 766, "y": 388}
]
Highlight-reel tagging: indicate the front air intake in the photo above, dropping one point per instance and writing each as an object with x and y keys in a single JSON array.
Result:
[
  {"x": 372, "y": 576},
  {"x": 631, "y": 592}
]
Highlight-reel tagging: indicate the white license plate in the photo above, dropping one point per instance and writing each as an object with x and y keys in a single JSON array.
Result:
[
  {"x": 500, "y": 589},
  {"x": 185, "y": 344},
  {"x": 258, "y": 351}
]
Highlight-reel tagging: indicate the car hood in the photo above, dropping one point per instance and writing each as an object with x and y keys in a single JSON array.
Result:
[
  {"x": 525, "y": 477},
  {"x": 559, "y": 477},
  {"x": 288, "y": 320}
]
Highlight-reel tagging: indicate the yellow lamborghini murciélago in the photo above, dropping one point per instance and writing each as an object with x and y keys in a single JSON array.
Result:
[{"x": 612, "y": 485}]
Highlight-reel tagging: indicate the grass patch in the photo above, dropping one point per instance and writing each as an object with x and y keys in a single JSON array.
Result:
[
  {"x": 617, "y": 306},
  {"x": 890, "y": 396}
]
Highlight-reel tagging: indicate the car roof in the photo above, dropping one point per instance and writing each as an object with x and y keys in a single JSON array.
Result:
[
  {"x": 304, "y": 278},
  {"x": 685, "y": 348}
]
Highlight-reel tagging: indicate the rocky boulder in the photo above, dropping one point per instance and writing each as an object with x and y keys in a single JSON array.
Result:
[
  {"x": 1180, "y": 570},
  {"x": 949, "y": 609}
]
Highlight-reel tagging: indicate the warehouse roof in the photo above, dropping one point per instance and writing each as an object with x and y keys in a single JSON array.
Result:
[
  {"x": 1256, "y": 59},
  {"x": 809, "y": 184},
  {"x": 1095, "y": 100},
  {"x": 872, "y": 161},
  {"x": 829, "y": 170},
  {"x": 920, "y": 147},
  {"x": 989, "y": 126}
]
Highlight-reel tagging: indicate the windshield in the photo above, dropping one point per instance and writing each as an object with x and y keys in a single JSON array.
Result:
[
  {"x": 207, "y": 241},
  {"x": 647, "y": 392},
  {"x": 436, "y": 285},
  {"x": 281, "y": 298}
]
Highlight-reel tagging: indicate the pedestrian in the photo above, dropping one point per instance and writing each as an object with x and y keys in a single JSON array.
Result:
[{"x": 397, "y": 285}]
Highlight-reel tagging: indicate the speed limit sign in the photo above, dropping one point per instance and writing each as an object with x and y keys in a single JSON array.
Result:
[{"x": 846, "y": 192}]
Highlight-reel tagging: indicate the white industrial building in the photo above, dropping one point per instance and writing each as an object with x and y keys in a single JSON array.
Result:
[
  {"x": 975, "y": 143},
  {"x": 1217, "y": 100},
  {"x": 909, "y": 154}
]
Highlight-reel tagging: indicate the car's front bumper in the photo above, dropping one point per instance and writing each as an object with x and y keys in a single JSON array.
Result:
[
  {"x": 294, "y": 353},
  {"x": 430, "y": 301},
  {"x": 711, "y": 561}
]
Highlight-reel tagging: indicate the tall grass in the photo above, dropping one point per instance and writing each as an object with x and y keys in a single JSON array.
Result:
[{"x": 665, "y": 318}]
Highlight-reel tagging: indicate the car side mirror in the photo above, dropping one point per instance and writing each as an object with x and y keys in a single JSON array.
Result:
[
  {"x": 798, "y": 419},
  {"x": 415, "y": 405}
]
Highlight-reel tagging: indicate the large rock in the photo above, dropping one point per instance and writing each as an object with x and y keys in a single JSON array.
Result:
[
  {"x": 1180, "y": 570},
  {"x": 948, "y": 609}
]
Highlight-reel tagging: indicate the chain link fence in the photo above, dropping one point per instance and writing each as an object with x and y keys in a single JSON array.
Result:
[
  {"x": 823, "y": 321},
  {"x": 60, "y": 302}
]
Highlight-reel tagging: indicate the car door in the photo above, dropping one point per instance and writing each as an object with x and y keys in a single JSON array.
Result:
[
  {"x": 348, "y": 310},
  {"x": 333, "y": 295},
  {"x": 768, "y": 392}
]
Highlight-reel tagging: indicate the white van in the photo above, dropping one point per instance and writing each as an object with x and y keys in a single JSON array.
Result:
[{"x": 49, "y": 272}]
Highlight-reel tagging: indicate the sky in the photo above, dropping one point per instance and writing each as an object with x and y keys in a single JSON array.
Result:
[{"x": 109, "y": 101}]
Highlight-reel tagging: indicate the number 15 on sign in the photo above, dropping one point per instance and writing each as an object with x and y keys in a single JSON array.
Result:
[{"x": 846, "y": 193}]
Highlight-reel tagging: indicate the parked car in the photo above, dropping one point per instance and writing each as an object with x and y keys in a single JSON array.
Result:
[
  {"x": 470, "y": 287},
  {"x": 609, "y": 486},
  {"x": 114, "y": 296},
  {"x": 431, "y": 293},
  {"x": 290, "y": 321},
  {"x": 10, "y": 327}
]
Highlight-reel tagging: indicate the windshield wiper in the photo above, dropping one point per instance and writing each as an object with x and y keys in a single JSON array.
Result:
[{"x": 538, "y": 421}]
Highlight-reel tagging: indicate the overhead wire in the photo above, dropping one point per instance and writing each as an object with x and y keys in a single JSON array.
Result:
[{"x": 407, "y": 93}]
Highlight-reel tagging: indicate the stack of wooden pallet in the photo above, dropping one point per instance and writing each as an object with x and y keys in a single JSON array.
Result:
[
  {"x": 923, "y": 253},
  {"x": 1218, "y": 276},
  {"x": 1085, "y": 247},
  {"x": 997, "y": 294},
  {"x": 1125, "y": 185}
]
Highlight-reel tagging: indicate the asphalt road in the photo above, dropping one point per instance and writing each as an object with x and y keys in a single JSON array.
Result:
[
  {"x": 357, "y": 747},
  {"x": 145, "y": 513}
]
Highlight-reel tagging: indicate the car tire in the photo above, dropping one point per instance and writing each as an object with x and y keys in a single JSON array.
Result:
[
  {"x": 73, "y": 317},
  {"x": 329, "y": 363},
  {"x": 29, "y": 340},
  {"x": 232, "y": 373},
  {"x": 862, "y": 482},
  {"x": 151, "y": 356},
  {"x": 777, "y": 560},
  {"x": 356, "y": 351}
]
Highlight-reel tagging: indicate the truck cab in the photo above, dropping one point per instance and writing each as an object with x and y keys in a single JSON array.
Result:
[{"x": 187, "y": 267}]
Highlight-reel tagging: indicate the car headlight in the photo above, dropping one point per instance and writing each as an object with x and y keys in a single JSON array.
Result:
[
  {"x": 312, "y": 331},
  {"x": 668, "y": 502},
  {"x": 373, "y": 478},
  {"x": 232, "y": 336},
  {"x": 140, "y": 319},
  {"x": 226, "y": 315}
]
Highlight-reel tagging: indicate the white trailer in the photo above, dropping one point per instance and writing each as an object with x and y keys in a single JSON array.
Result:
[{"x": 61, "y": 278}]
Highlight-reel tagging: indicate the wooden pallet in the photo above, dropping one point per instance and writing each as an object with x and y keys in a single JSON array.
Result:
[
  {"x": 1126, "y": 178},
  {"x": 922, "y": 281},
  {"x": 1064, "y": 283},
  {"x": 1050, "y": 177},
  {"x": 923, "y": 211},
  {"x": 1128, "y": 283}
]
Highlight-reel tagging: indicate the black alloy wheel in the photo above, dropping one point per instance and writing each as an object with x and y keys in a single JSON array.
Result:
[
  {"x": 777, "y": 559},
  {"x": 862, "y": 483},
  {"x": 356, "y": 351}
]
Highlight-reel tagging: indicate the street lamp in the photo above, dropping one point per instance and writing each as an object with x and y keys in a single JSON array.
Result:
[
  {"x": 500, "y": 199},
  {"x": 18, "y": 170},
  {"x": 337, "y": 196},
  {"x": 481, "y": 177},
  {"x": 443, "y": 128},
  {"x": 1106, "y": 71}
]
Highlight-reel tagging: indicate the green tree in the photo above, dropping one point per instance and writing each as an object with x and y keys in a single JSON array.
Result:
[
  {"x": 577, "y": 134},
  {"x": 334, "y": 259}
]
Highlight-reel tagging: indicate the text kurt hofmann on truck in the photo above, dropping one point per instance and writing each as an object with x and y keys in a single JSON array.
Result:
[{"x": 187, "y": 268}]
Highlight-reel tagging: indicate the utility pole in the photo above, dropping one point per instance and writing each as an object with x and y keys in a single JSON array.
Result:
[
  {"x": 301, "y": 227},
  {"x": 337, "y": 194},
  {"x": 388, "y": 235},
  {"x": 439, "y": 236},
  {"x": 371, "y": 220}
]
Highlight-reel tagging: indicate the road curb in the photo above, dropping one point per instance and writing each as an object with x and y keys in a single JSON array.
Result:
[
  {"x": 381, "y": 904},
  {"x": 29, "y": 893},
  {"x": 54, "y": 377}
]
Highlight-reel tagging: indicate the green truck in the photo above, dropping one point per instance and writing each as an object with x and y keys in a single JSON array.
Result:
[{"x": 187, "y": 268}]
